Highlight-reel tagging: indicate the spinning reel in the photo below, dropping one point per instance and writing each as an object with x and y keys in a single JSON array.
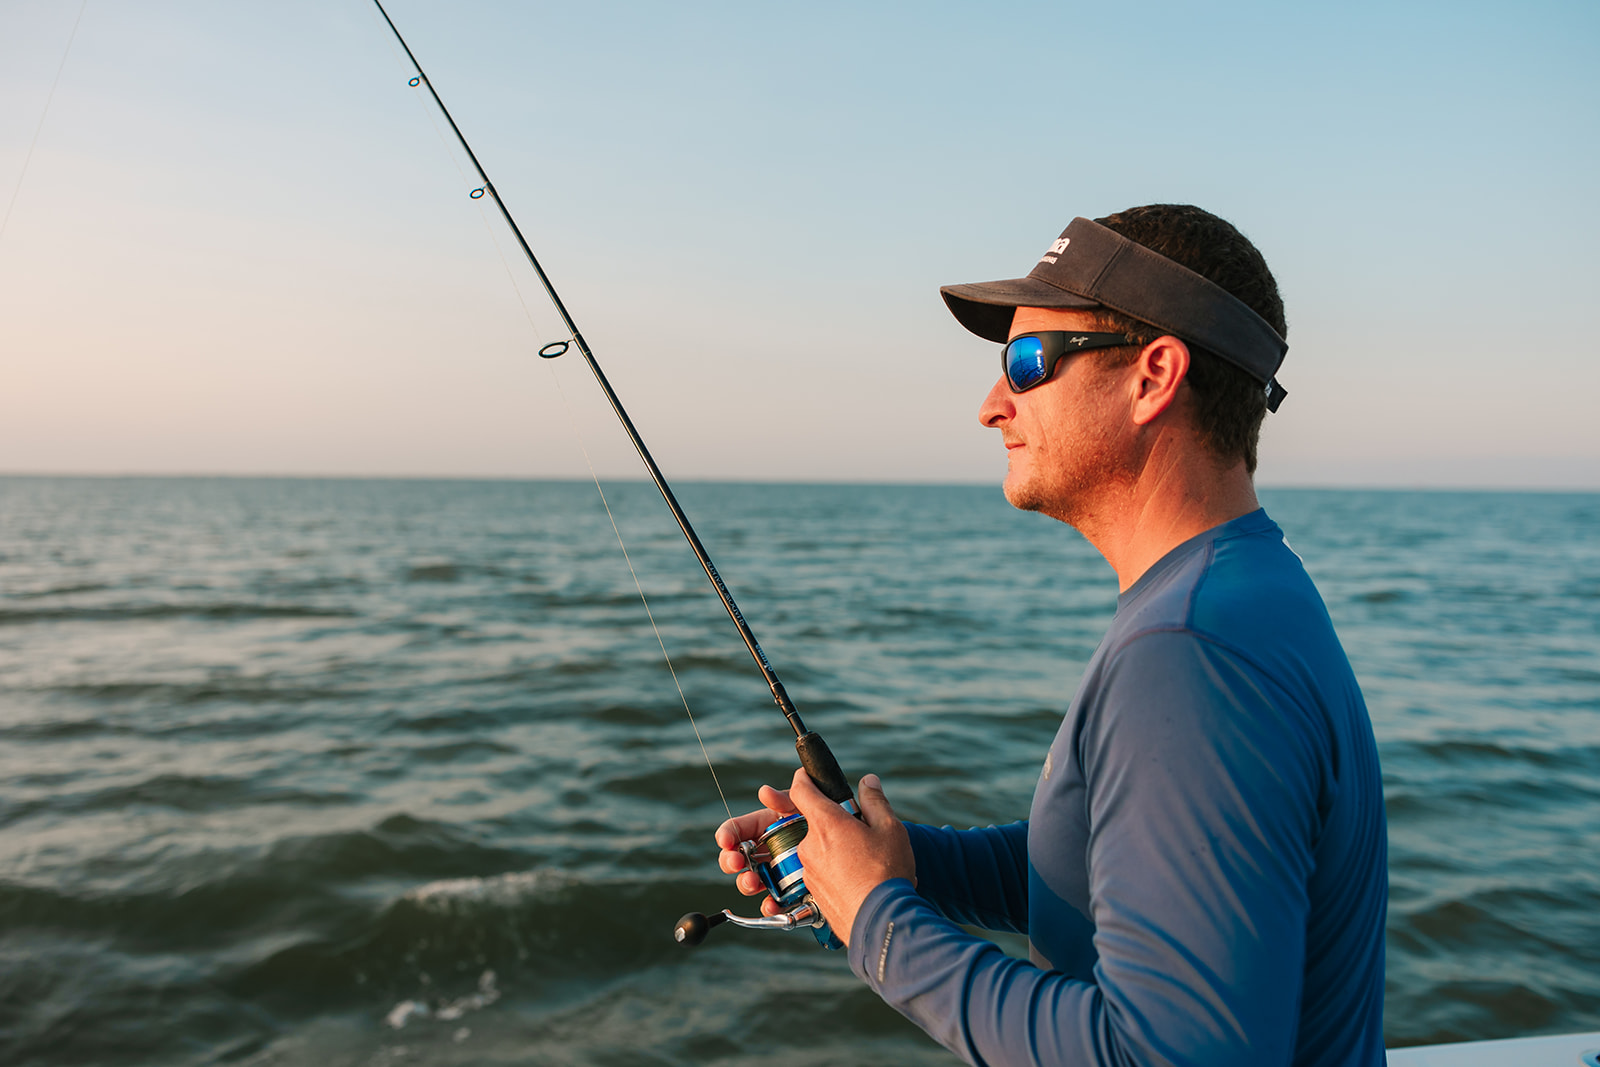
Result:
[{"x": 774, "y": 856}]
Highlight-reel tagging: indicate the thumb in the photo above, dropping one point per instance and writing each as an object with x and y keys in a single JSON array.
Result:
[
  {"x": 874, "y": 804},
  {"x": 811, "y": 801}
]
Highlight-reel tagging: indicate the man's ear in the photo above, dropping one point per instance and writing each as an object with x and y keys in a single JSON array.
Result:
[{"x": 1157, "y": 373}]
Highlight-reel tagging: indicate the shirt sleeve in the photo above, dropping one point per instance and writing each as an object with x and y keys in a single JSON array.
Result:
[
  {"x": 978, "y": 876},
  {"x": 1202, "y": 802}
]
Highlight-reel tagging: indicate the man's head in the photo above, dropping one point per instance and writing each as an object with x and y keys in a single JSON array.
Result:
[{"x": 1170, "y": 272}]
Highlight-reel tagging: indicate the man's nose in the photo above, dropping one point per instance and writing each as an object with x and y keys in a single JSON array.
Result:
[{"x": 997, "y": 407}]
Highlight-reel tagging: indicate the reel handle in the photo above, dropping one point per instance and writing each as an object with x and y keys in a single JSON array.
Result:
[
  {"x": 693, "y": 927},
  {"x": 817, "y": 759}
]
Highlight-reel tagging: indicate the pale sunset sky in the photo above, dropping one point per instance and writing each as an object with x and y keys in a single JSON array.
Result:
[{"x": 241, "y": 246}]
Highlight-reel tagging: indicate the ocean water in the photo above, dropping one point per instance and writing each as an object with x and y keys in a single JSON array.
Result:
[{"x": 389, "y": 772}]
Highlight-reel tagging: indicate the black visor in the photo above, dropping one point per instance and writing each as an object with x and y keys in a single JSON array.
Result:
[{"x": 1091, "y": 266}]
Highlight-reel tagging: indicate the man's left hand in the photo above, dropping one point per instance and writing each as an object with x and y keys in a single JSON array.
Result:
[{"x": 845, "y": 858}]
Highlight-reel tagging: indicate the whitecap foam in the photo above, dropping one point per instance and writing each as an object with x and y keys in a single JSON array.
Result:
[
  {"x": 501, "y": 890},
  {"x": 446, "y": 1010},
  {"x": 402, "y": 1012}
]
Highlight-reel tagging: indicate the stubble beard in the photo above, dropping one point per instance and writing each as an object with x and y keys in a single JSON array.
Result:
[{"x": 1077, "y": 485}]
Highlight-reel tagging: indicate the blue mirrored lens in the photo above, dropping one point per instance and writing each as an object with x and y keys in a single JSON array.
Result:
[{"x": 1025, "y": 362}]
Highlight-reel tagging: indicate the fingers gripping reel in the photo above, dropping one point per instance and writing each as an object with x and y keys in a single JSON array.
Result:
[{"x": 774, "y": 856}]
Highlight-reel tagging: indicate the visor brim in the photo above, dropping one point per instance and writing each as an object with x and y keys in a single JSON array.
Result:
[{"x": 985, "y": 308}]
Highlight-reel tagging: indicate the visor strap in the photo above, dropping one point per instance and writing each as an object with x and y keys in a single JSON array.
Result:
[{"x": 1275, "y": 395}]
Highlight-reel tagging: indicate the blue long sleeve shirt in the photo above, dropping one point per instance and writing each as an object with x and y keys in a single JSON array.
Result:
[{"x": 1203, "y": 873}]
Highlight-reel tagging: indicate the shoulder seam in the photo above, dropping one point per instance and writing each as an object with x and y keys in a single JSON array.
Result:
[{"x": 1194, "y": 590}]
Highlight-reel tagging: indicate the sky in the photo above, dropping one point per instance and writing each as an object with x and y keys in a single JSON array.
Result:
[{"x": 241, "y": 244}]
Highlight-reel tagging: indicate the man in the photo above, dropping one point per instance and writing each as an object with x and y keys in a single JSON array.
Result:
[{"x": 1202, "y": 876}]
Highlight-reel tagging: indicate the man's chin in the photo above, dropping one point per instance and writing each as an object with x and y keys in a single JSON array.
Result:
[{"x": 1021, "y": 495}]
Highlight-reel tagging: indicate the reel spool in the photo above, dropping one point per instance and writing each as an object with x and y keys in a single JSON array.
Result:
[{"x": 774, "y": 856}]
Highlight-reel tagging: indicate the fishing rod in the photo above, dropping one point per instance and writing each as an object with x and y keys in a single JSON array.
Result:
[{"x": 772, "y": 855}]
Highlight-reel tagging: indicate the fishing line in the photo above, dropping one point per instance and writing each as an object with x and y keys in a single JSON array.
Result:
[
  {"x": 815, "y": 756},
  {"x": 642, "y": 598},
  {"x": 36, "y": 130}
]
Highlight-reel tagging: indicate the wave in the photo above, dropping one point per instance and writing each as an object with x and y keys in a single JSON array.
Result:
[
  {"x": 470, "y": 750},
  {"x": 1465, "y": 752},
  {"x": 62, "y": 590},
  {"x": 311, "y": 880},
  {"x": 195, "y": 793},
  {"x": 227, "y": 611},
  {"x": 63, "y": 729},
  {"x": 455, "y": 720},
  {"x": 198, "y": 794},
  {"x": 436, "y": 940},
  {"x": 212, "y": 690}
]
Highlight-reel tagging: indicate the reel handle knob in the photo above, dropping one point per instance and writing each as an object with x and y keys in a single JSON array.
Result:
[{"x": 693, "y": 928}]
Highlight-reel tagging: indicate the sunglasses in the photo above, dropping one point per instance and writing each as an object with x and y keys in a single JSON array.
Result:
[{"x": 1030, "y": 359}]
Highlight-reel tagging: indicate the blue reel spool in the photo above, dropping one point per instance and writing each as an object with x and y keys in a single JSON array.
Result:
[{"x": 777, "y": 863}]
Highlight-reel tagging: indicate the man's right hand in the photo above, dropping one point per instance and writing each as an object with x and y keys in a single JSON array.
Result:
[{"x": 748, "y": 827}]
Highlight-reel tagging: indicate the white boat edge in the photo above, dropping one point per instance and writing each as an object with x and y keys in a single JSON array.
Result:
[{"x": 1565, "y": 1050}]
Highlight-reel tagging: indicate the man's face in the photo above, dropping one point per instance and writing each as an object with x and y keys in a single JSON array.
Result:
[{"x": 1066, "y": 440}]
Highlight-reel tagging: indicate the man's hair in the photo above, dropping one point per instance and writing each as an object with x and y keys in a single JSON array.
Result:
[{"x": 1229, "y": 404}]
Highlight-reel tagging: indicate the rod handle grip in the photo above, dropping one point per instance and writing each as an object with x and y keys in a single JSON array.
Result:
[{"x": 817, "y": 758}]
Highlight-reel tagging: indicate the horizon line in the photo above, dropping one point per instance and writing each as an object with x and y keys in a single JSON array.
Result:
[{"x": 642, "y": 479}]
